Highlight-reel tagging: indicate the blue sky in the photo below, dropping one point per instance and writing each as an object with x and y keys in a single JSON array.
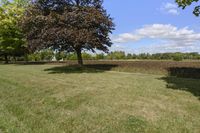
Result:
[{"x": 153, "y": 26}]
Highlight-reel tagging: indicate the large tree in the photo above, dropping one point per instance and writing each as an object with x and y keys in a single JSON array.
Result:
[
  {"x": 68, "y": 25},
  {"x": 12, "y": 42},
  {"x": 185, "y": 3}
]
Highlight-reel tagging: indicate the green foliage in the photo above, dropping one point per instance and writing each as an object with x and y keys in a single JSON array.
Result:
[
  {"x": 47, "y": 55},
  {"x": 71, "y": 56},
  {"x": 158, "y": 56},
  {"x": 44, "y": 55},
  {"x": 60, "y": 56},
  {"x": 87, "y": 56},
  {"x": 116, "y": 55},
  {"x": 100, "y": 56},
  {"x": 177, "y": 57},
  {"x": 12, "y": 42},
  {"x": 129, "y": 56},
  {"x": 144, "y": 56},
  {"x": 34, "y": 57}
]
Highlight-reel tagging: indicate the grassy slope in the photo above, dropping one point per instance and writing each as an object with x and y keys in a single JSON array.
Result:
[{"x": 34, "y": 100}]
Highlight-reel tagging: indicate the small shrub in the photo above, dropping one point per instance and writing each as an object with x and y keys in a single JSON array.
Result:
[{"x": 177, "y": 58}]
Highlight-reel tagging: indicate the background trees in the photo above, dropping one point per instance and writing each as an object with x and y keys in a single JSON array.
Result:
[
  {"x": 12, "y": 42},
  {"x": 68, "y": 25},
  {"x": 116, "y": 55}
]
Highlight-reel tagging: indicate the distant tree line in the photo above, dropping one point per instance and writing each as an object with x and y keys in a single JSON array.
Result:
[
  {"x": 50, "y": 55},
  {"x": 177, "y": 56}
]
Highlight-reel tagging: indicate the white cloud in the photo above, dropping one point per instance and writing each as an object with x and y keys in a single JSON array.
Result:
[
  {"x": 170, "y": 37},
  {"x": 170, "y": 8},
  {"x": 173, "y": 12},
  {"x": 126, "y": 37}
]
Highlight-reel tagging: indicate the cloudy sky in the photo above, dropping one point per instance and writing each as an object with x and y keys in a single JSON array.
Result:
[{"x": 153, "y": 26}]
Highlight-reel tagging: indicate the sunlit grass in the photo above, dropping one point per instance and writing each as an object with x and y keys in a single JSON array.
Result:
[{"x": 46, "y": 99}]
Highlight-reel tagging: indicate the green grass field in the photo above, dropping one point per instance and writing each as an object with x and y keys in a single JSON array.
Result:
[{"x": 56, "y": 99}]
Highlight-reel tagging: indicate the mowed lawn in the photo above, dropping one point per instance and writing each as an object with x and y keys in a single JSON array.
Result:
[{"x": 42, "y": 99}]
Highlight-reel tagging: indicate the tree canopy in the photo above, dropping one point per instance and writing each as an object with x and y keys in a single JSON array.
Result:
[
  {"x": 11, "y": 37},
  {"x": 185, "y": 3},
  {"x": 68, "y": 25}
]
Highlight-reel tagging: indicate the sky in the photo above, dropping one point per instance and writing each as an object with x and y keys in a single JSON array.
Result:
[{"x": 157, "y": 26}]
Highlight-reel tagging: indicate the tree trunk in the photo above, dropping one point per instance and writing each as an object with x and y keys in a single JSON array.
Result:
[
  {"x": 6, "y": 59},
  {"x": 79, "y": 56}
]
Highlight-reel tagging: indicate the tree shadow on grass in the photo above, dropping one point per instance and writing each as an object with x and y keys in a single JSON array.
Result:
[
  {"x": 184, "y": 72},
  {"x": 185, "y": 79},
  {"x": 93, "y": 68}
]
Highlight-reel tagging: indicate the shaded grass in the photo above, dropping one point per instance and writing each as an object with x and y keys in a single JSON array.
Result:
[
  {"x": 184, "y": 72},
  {"x": 91, "y": 68},
  {"x": 188, "y": 85},
  {"x": 34, "y": 100}
]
